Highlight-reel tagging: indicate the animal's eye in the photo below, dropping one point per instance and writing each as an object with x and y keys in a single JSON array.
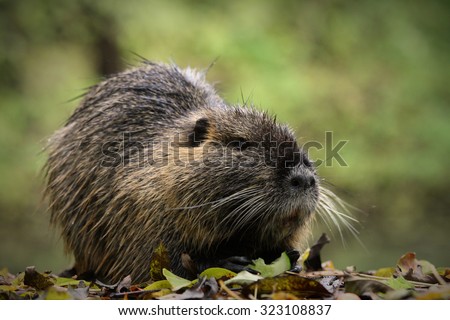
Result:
[{"x": 199, "y": 133}]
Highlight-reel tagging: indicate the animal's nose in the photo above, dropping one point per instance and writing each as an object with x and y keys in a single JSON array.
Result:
[{"x": 300, "y": 181}]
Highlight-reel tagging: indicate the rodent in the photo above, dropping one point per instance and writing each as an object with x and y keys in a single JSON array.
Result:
[{"x": 153, "y": 155}]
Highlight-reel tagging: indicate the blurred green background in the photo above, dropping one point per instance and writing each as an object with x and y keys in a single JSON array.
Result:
[{"x": 375, "y": 73}]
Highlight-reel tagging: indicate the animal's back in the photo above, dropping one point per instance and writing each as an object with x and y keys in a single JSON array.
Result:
[{"x": 89, "y": 160}]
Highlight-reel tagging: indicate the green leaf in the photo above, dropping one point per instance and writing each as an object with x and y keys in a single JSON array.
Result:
[
  {"x": 57, "y": 293},
  {"x": 18, "y": 281},
  {"x": 277, "y": 267},
  {"x": 8, "y": 288},
  {"x": 218, "y": 273},
  {"x": 385, "y": 272},
  {"x": 399, "y": 283},
  {"x": 243, "y": 278},
  {"x": 175, "y": 281},
  {"x": 159, "y": 285},
  {"x": 64, "y": 282}
]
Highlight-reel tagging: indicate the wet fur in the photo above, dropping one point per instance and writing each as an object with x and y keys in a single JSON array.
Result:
[{"x": 113, "y": 217}]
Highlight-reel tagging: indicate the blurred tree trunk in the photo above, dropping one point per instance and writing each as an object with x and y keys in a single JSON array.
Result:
[
  {"x": 87, "y": 23},
  {"x": 103, "y": 29}
]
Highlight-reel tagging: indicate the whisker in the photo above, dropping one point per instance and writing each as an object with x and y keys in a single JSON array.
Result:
[
  {"x": 242, "y": 214},
  {"x": 239, "y": 195},
  {"x": 334, "y": 210},
  {"x": 194, "y": 206},
  {"x": 225, "y": 199},
  {"x": 326, "y": 219}
]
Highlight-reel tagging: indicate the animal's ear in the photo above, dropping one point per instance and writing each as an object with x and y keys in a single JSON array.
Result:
[{"x": 199, "y": 133}]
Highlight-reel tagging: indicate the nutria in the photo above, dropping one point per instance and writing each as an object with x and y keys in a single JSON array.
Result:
[{"x": 154, "y": 156}]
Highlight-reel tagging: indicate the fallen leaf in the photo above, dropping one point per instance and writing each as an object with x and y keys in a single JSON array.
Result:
[
  {"x": 312, "y": 261},
  {"x": 328, "y": 265},
  {"x": 281, "y": 295},
  {"x": 410, "y": 268},
  {"x": 204, "y": 289},
  {"x": 384, "y": 272},
  {"x": 6, "y": 278},
  {"x": 57, "y": 293},
  {"x": 365, "y": 287},
  {"x": 243, "y": 278},
  {"x": 218, "y": 273},
  {"x": 158, "y": 285},
  {"x": 398, "y": 294},
  {"x": 78, "y": 293},
  {"x": 63, "y": 282},
  {"x": 299, "y": 286},
  {"x": 436, "y": 293},
  {"x": 280, "y": 265},
  {"x": 124, "y": 285},
  {"x": 399, "y": 283},
  {"x": 331, "y": 283},
  {"x": 175, "y": 281},
  {"x": 347, "y": 296},
  {"x": 37, "y": 280}
]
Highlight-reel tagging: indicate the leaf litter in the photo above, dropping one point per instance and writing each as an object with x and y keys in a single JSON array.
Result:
[{"x": 410, "y": 278}]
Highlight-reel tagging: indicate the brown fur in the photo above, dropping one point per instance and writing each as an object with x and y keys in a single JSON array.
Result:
[{"x": 114, "y": 205}]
